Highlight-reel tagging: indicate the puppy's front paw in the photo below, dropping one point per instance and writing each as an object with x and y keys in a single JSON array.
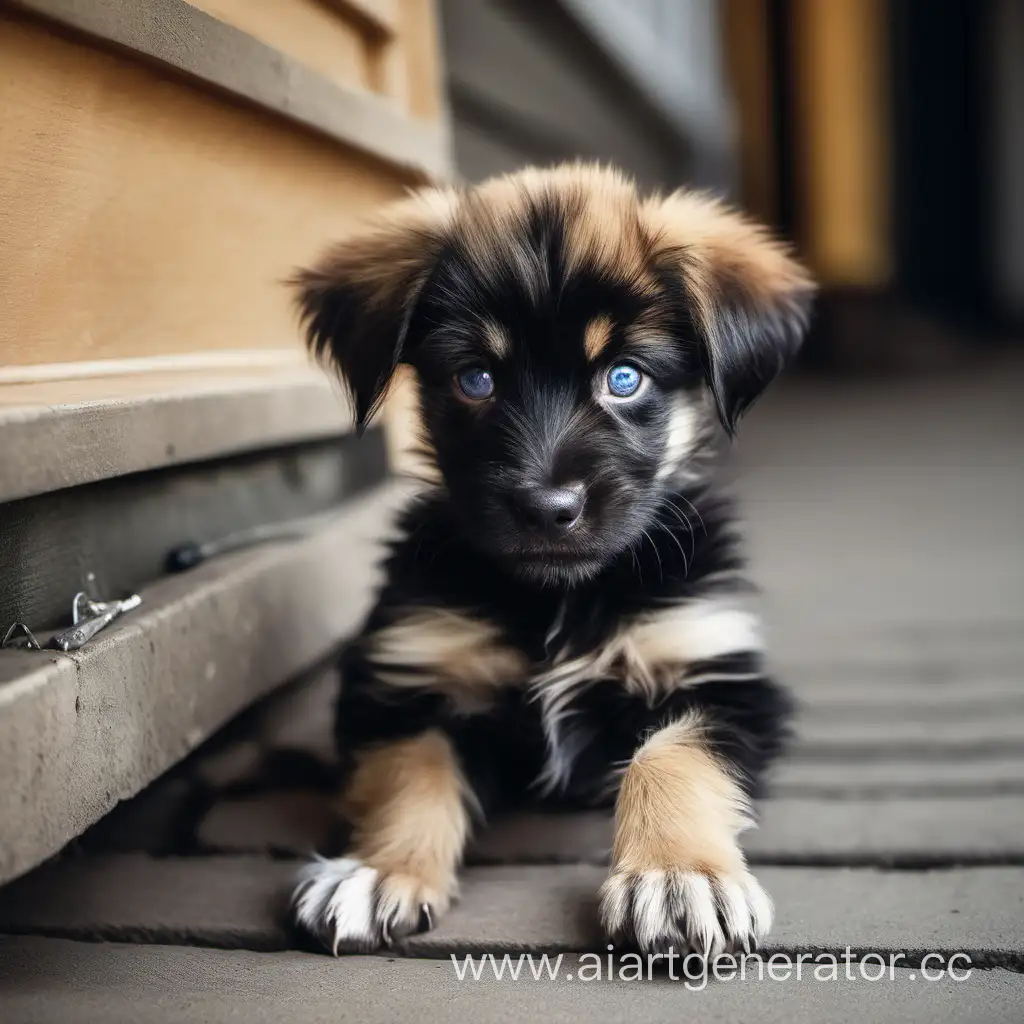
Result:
[
  {"x": 352, "y": 907},
  {"x": 691, "y": 911}
]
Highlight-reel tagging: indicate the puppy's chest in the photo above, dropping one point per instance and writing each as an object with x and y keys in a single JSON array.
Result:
[
  {"x": 473, "y": 657},
  {"x": 553, "y": 660}
]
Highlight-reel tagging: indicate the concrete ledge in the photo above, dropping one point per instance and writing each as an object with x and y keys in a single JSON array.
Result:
[
  {"x": 80, "y": 732},
  {"x": 908, "y": 833},
  {"x": 241, "y": 903},
  {"x": 901, "y": 690},
  {"x": 921, "y": 832},
  {"x": 867, "y": 736},
  {"x": 880, "y": 777},
  {"x": 178, "y": 36},
  {"x": 49, "y": 980},
  {"x": 97, "y": 429}
]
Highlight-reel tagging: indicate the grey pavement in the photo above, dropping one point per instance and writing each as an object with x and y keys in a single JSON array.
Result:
[
  {"x": 80, "y": 983},
  {"x": 884, "y": 524}
]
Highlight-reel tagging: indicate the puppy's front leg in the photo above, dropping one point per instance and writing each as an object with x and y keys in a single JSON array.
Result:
[
  {"x": 679, "y": 878},
  {"x": 407, "y": 801}
]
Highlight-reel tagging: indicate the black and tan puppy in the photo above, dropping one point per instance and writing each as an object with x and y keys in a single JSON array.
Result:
[{"x": 563, "y": 619}]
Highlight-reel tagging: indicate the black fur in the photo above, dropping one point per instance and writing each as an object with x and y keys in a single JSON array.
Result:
[
  {"x": 653, "y": 536},
  {"x": 503, "y": 749}
]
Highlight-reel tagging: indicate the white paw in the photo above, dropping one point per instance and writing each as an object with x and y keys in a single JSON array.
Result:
[
  {"x": 689, "y": 911},
  {"x": 351, "y": 907}
]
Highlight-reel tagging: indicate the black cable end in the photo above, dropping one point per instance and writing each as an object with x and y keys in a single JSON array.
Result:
[{"x": 187, "y": 556}]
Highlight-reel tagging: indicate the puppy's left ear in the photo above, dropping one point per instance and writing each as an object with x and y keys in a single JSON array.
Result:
[
  {"x": 357, "y": 302},
  {"x": 749, "y": 300}
]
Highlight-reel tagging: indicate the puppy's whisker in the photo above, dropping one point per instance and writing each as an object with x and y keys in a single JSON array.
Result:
[
  {"x": 684, "y": 518},
  {"x": 657, "y": 554},
  {"x": 695, "y": 512},
  {"x": 670, "y": 506},
  {"x": 681, "y": 517},
  {"x": 678, "y": 544}
]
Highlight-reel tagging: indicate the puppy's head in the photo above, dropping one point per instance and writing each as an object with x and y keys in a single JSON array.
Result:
[{"x": 572, "y": 340}]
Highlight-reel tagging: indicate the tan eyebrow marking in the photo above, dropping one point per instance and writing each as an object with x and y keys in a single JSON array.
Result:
[
  {"x": 596, "y": 336},
  {"x": 497, "y": 340}
]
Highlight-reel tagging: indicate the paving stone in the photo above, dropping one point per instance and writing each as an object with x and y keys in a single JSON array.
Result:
[
  {"x": 979, "y": 911},
  {"x": 925, "y": 831},
  {"x": 298, "y": 822},
  {"x": 852, "y": 688},
  {"x": 236, "y": 902},
  {"x": 241, "y": 902},
  {"x": 544, "y": 838},
  {"x": 47, "y": 980},
  {"x": 906, "y": 832},
  {"x": 880, "y": 778},
  {"x": 914, "y": 736}
]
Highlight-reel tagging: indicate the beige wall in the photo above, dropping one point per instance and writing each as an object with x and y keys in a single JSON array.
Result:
[{"x": 147, "y": 215}]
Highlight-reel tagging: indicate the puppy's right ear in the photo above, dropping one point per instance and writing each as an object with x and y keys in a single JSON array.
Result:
[{"x": 357, "y": 301}]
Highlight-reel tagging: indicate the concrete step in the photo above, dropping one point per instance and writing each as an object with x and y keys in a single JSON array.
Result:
[
  {"x": 47, "y": 980},
  {"x": 881, "y": 778},
  {"x": 926, "y": 831},
  {"x": 923, "y": 829},
  {"x": 921, "y": 735},
  {"x": 81, "y": 731},
  {"x": 241, "y": 902}
]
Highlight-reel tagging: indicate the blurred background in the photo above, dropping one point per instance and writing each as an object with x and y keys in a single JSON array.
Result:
[
  {"x": 885, "y": 137},
  {"x": 163, "y": 167}
]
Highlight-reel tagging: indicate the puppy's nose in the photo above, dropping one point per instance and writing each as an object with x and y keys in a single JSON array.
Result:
[{"x": 550, "y": 510}]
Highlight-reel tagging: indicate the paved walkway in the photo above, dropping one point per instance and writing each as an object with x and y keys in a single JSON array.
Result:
[{"x": 885, "y": 528}]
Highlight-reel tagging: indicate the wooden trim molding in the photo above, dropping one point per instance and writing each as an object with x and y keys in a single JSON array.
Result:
[
  {"x": 380, "y": 16},
  {"x": 62, "y": 433},
  {"x": 286, "y": 360},
  {"x": 178, "y": 36}
]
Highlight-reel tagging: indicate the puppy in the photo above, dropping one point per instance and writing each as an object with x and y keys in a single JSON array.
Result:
[{"x": 564, "y": 616}]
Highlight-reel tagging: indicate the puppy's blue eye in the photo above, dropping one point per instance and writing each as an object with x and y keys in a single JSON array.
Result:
[
  {"x": 623, "y": 381},
  {"x": 476, "y": 384}
]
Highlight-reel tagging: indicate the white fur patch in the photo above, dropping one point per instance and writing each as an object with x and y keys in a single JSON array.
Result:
[
  {"x": 684, "y": 431},
  {"x": 334, "y": 900},
  {"x": 685, "y": 910},
  {"x": 684, "y": 634},
  {"x": 650, "y": 655},
  {"x": 674, "y": 637}
]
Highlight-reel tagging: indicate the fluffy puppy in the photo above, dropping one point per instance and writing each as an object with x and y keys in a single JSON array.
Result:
[{"x": 563, "y": 619}]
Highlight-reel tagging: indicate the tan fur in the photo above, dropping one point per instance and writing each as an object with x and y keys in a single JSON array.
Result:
[
  {"x": 411, "y": 451},
  {"x": 596, "y": 336},
  {"x": 720, "y": 252},
  {"x": 390, "y": 252},
  {"x": 407, "y": 803},
  {"x": 607, "y": 224},
  {"x": 497, "y": 340},
  {"x": 455, "y": 653},
  {"x": 678, "y": 808}
]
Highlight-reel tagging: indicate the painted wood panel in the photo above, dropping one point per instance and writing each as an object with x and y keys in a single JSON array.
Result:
[{"x": 143, "y": 216}]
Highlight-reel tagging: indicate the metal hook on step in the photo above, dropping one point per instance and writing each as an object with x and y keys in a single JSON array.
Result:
[
  {"x": 25, "y": 641},
  {"x": 101, "y": 614}
]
